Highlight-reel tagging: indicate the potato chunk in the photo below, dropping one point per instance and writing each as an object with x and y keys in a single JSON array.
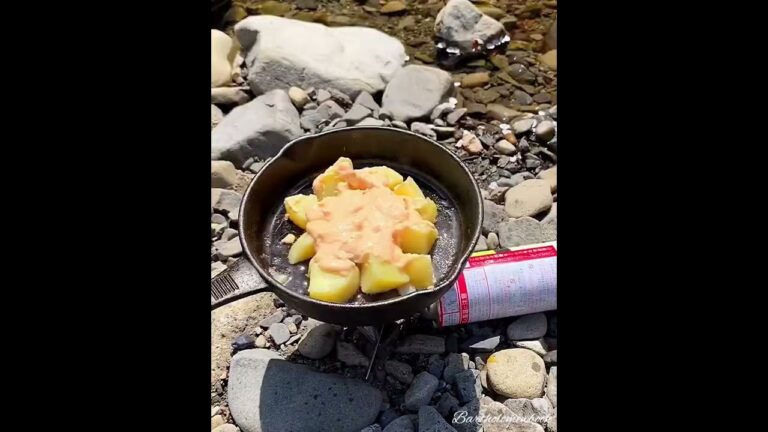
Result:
[
  {"x": 296, "y": 207},
  {"x": 417, "y": 238},
  {"x": 408, "y": 188},
  {"x": 302, "y": 249},
  {"x": 426, "y": 208},
  {"x": 420, "y": 273},
  {"x": 332, "y": 287},
  {"x": 379, "y": 276},
  {"x": 391, "y": 177}
]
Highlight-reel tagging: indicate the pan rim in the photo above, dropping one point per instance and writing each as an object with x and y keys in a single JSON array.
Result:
[{"x": 449, "y": 279}]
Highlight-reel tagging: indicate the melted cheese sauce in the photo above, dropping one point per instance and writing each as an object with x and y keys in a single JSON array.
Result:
[{"x": 362, "y": 220}]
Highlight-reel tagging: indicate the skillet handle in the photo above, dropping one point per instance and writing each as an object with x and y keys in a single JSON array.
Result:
[{"x": 238, "y": 281}]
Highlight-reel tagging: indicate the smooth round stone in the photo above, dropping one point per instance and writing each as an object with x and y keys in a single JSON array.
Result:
[
  {"x": 545, "y": 130},
  {"x": 516, "y": 373},
  {"x": 318, "y": 342},
  {"x": 505, "y": 147},
  {"x": 298, "y": 96}
]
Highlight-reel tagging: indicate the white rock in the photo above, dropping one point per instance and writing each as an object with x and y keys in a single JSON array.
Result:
[
  {"x": 459, "y": 23},
  {"x": 415, "y": 91},
  {"x": 283, "y": 52},
  {"x": 216, "y": 115},
  {"x": 223, "y": 53},
  {"x": 223, "y": 174},
  {"x": 298, "y": 96},
  {"x": 259, "y": 128}
]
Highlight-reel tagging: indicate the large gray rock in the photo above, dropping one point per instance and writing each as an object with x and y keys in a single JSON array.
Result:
[
  {"x": 493, "y": 215},
  {"x": 283, "y": 52},
  {"x": 415, "y": 91},
  {"x": 529, "y": 198},
  {"x": 259, "y": 128},
  {"x": 524, "y": 231},
  {"x": 460, "y": 23},
  {"x": 267, "y": 394}
]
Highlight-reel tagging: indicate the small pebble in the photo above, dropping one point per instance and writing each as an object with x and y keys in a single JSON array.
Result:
[
  {"x": 492, "y": 241},
  {"x": 505, "y": 147},
  {"x": 298, "y": 96},
  {"x": 261, "y": 341},
  {"x": 279, "y": 333},
  {"x": 292, "y": 327}
]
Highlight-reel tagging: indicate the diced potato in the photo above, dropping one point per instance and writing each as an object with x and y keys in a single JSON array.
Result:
[
  {"x": 420, "y": 272},
  {"x": 332, "y": 287},
  {"x": 417, "y": 238},
  {"x": 296, "y": 207},
  {"x": 328, "y": 184},
  {"x": 378, "y": 276},
  {"x": 392, "y": 178},
  {"x": 302, "y": 249},
  {"x": 426, "y": 208},
  {"x": 408, "y": 188}
]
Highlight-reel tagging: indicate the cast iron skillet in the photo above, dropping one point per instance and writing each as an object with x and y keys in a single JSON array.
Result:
[{"x": 439, "y": 173}]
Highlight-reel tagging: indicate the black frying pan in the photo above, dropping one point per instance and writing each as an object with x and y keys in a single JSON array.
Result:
[{"x": 438, "y": 172}]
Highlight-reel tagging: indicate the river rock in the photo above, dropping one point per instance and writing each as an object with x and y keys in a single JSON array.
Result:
[
  {"x": 400, "y": 424},
  {"x": 223, "y": 174},
  {"x": 263, "y": 389},
  {"x": 549, "y": 59},
  {"x": 516, "y": 373},
  {"x": 421, "y": 390},
  {"x": 223, "y": 53},
  {"x": 228, "y": 96},
  {"x": 524, "y": 231},
  {"x": 415, "y": 91},
  {"x": 527, "y": 327},
  {"x": 350, "y": 355},
  {"x": 460, "y": 23},
  {"x": 259, "y": 128},
  {"x": 550, "y": 175},
  {"x": 318, "y": 342},
  {"x": 216, "y": 116},
  {"x": 529, "y": 198},
  {"x": 421, "y": 344},
  {"x": 283, "y": 52},
  {"x": 552, "y": 386},
  {"x": 430, "y": 420},
  {"x": 399, "y": 370}
]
